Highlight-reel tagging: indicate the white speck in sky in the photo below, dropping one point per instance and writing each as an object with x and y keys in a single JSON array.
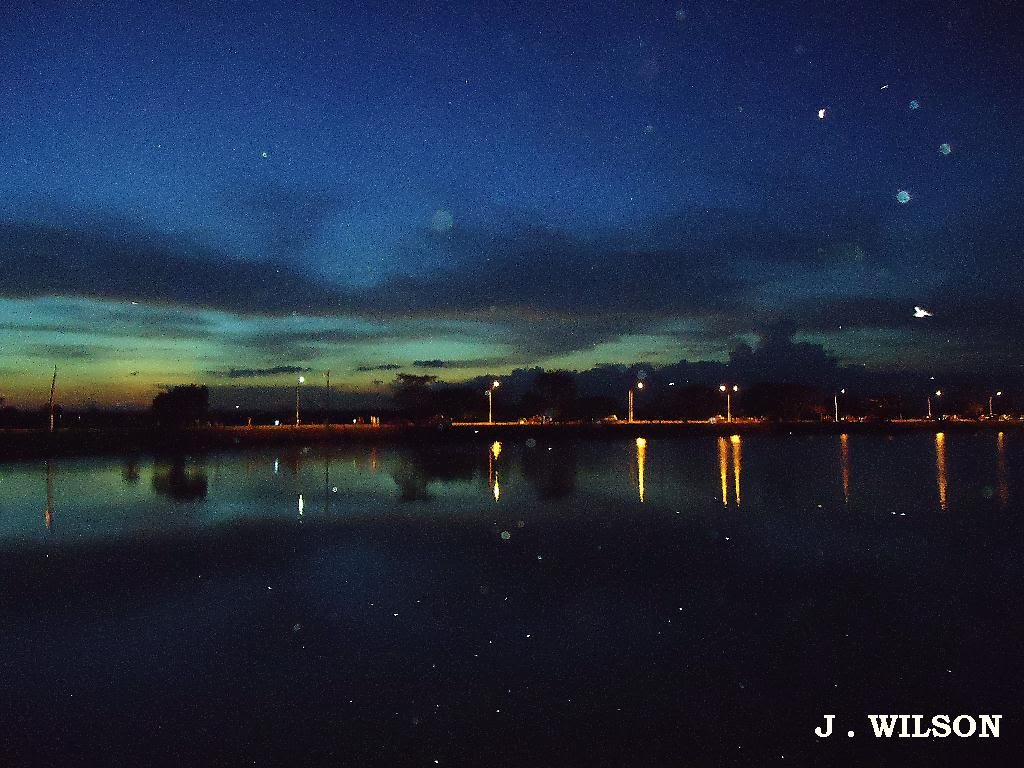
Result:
[{"x": 903, "y": 197}]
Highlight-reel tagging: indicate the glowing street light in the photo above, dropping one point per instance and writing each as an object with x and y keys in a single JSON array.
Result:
[
  {"x": 728, "y": 398},
  {"x": 938, "y": 393},
  {"x": 629, "y": 415},
  {"x": 836, "y": 399},
  {"x": 302, "y": 380},
  {"x": 489, "y": 392},
  {"x": 997, "y": 394}
]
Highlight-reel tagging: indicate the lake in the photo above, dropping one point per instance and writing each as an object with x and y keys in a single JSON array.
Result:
[{"x": 673, "y": 601}]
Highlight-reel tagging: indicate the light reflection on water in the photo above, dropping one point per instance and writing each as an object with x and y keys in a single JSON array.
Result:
[
  {"x": 641, "y": 460},
  {"x": 1002, "y": 476},
  {"x": 736, "y": 464},
  {"x": 731, "y": 449},
  {"x": 940, "y": 468},
  {"x": 87, "y": 498},
  {"x": 844, "y": 464},
  {"x": 723, "y": 469}
]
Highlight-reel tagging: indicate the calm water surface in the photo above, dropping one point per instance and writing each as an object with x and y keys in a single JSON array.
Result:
[{"x": 692, "y": 601}]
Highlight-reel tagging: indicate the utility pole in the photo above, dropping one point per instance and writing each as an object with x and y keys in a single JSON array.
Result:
[
  {"x": 53, "y": 392},
  {"x": 327, "y": 415}
]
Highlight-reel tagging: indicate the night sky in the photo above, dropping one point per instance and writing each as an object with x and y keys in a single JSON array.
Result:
[{"x": 241, "y": 191}]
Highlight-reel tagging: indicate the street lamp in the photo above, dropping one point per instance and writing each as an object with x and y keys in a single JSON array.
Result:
[
  {"x": 998, "y": 394},
  {"x": 489, "y": 392},
  {"x": 938, "y": 393},
  {"x": 629, "y": 415},
  {"x": 302, "y": 380},
  {"x": 728, "y": 399},
  {"x": 841, "y": 392}
]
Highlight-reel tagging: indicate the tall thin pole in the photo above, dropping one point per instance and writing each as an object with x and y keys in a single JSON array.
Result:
[
  {"x": 728, "y": 406},
  {"x": 629, "y": 416},
  {"x": 929, "y": 406},
  {"x": 327, "y": 418},
  {"x": 53, "y": 392},
  {"x": 990, "y": 406},
  {"x": 490, "y": 406},
  {"x": 297, "y": 404},
  {"x": 837, "y": 408}
]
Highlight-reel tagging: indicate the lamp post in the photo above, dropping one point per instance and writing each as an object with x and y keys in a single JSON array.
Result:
[
  {"x": 841, "y": 392},
  {"x": 728, "y": 399},
  {"x": 53, "y": 391},
  {"x": 490, "y": 400},
  {"x": 997, "y": 394},
  {"x": 629, "y": 414},
  {"x": 938, "y": 393},
  {"x": 302, "y": 380}
]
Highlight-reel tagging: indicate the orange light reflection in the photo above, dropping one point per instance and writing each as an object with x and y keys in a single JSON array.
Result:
[
  {"x": 844, "y": 464},
  {"x": 641, "y": 459},
  {"x": 736, "y": 464},
  {"x": 940, "y": 468},
  {"x": 723, "y": 469}
]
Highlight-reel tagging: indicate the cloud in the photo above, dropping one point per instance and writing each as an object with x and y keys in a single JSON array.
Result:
[
  {"x": 63, "y": 352},
  {"x": 253, "y": 373},
  {"x": 778, "y": 358},
  {"x": 385, "y": 367},
  {"x": 121, "y": 261},
  {"x": 288, "y": 220},
  {"x": 532, "y": 292}
]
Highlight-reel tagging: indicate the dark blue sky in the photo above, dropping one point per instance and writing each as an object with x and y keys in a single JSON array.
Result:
[{"x": 348, "y": 186}]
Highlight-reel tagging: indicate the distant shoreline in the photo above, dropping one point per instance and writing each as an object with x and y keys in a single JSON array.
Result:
[{"x": 21, "y": 444}]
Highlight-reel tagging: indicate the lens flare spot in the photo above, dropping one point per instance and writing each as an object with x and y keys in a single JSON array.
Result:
[{"x": 442, "y": 221}]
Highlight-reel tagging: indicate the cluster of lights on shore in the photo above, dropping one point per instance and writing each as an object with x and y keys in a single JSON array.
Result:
[{"x": 727, "y": 389}]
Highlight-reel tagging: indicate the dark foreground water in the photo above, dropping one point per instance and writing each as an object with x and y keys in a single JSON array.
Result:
[{"x": 698, "y": 601}]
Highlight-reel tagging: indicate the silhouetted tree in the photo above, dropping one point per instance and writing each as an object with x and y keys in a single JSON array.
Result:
[
  {"x": 785, "y": 402},
  {"x": 595, "y": 407},
  {"x": 179, "y": 482},
  {"x": 552, "y": 474},
  {"x": 692, "y": 401},
  {"x": 553, "y": 394},
  {"x": 414, "y": 394},
  {"x": 181, "y": 406}
]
